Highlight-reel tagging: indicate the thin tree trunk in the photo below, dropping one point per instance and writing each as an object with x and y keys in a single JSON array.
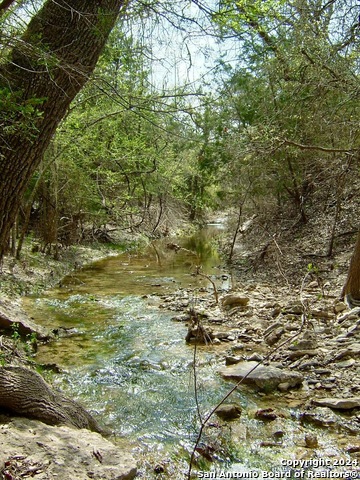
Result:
[
  {"x": 159, "y": 215},
  {"x": 27, "y": 213},
  {"x": 296, "y": 193},
  {"x": 47, "y": 68},
  {"x": 236, "y": 232},
  {"x": 13, "y": 239},
  {"x": 351, "y": 288}
]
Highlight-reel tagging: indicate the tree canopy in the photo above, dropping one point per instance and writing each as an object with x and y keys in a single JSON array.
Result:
[{"x": 276, "y": 113}]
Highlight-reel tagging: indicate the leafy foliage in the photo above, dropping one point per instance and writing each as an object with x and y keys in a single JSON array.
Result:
[{"x": 261, "y": 140}]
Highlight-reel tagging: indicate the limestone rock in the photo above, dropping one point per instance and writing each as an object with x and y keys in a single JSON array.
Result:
[
  {"x": 274, "y": 336},
  {"x": 184, "y": 317},
  {"x": 232, "y": 300},
  {"x": 339, "y": 307},
  {"x": 338, "y": 403},
  {"x": 266, "y": 414},
  {"x": 10, "y": 315},
  {"x": 284, "y": 387},
  {"x": 301, "y": 353},
  {"x": 353, "y": 448},
  {"x": 306, "y": 342},
  {"x": 325, "y": 417},
  {"x": 221, "y": 335},
  {"x": 352, "y": 350},
  {"x": 239, "y": 433},
  {"x": 294, "y": 307},
  {"x": 62, "y": 452},
  {"x": 255, "y": 357},
  {"x": 319, "y": 313},
  {"x": 272, "y": 327},
  {"x": 232, "y": 360},
  {"x": 311, "y": 441},
  {"x": 346, "y": 363},
  {"x": 320, "y": 417},
  {"x": 265, "y": 378}
]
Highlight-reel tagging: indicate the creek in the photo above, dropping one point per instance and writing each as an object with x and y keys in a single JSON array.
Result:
[{"x": 125, "y": 359}]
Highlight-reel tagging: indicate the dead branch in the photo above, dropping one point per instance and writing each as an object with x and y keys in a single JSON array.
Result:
[
  {"x": 198, "y": 268},
  {"x": 318, "y": 147}
]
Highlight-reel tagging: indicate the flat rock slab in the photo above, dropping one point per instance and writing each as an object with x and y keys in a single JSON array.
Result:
[
  {"x": 338, "y": 403},
  {"x": 11, "y": 314},
  {"x": 327, "y": 418},
  {"x": 61, "y": 452},
  {"x": 265, "y": 378}
]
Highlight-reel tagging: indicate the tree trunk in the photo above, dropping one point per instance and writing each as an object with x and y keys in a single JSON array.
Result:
[
  {"x": 46, "y": 69},
  {"x": 351, "y": 290},
  {"x": 25, "y": 392},
  {"x": 6, "y": 4}
]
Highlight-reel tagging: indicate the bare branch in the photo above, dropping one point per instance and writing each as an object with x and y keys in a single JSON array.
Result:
[{"x": 318, "y": 147}]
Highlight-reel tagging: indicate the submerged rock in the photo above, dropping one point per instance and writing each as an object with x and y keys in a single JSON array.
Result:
[
  {"x": 265, "y": 378},
  {"x": 229, "y": 411},
  {"x": 266, "y": 414},
  {"x": 311, "y": 441},
  {"x": 327, "y": 418}
]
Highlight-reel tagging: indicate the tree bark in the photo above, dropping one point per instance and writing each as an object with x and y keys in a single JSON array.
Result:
[
  {"x": 25, "y": 393},
  {"x": 5, "y": 5},
  {"x": 351, "y": 290},
  {"x": 46, "y": 69}
]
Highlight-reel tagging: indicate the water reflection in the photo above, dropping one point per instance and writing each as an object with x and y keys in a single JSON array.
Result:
[{"x": 155, "y": 270}]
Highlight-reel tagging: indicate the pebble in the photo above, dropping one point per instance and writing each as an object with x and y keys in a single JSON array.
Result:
[{"x": 311, "y": 441}]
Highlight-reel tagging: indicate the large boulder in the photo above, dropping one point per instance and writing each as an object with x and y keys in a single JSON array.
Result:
[
  {"x": 32, "y": 449},
  {"x": 264, "y": 378}
]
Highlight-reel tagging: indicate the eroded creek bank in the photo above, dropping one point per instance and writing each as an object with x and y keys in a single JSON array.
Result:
[{"x": 121, "y": 326}]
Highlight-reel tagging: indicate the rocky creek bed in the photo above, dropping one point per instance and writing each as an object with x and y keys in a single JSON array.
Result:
[{"x": 294, "y": 348}]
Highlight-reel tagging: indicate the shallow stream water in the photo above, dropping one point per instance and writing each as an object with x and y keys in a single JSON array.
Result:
[{"x": 127, "y": 361}]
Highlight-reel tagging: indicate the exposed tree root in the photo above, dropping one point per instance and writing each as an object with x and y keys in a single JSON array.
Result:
[{"x": 25, "y": 393}]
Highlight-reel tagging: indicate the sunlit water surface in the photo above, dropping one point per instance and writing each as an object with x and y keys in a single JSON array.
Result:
[{"x": 122, "y": 355}]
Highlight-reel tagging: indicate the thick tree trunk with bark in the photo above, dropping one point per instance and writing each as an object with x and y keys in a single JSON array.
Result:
[
  {"x": 46, "y": 69},
  {"x": 25, "y": 393}
]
